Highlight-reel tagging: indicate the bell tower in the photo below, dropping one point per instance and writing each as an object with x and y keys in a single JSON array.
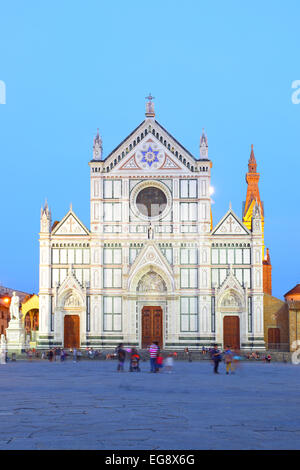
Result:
[{"x": 253, "y": 196}]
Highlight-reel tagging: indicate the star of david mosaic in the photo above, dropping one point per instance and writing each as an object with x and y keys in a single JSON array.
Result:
[{"x": 150, "y": 156}]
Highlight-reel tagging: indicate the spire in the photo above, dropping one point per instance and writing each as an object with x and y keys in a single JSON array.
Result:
[
  {"x": 97, "y": 147},
  {"x": 267, "y": 259},
  {"x": 150, "y": 113},
  {"x": 203, "y": 145},
  {"x": 45, "y": 219},
  {"x": 252, "y": 165}
]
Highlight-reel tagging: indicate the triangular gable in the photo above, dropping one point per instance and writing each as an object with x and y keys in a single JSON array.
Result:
[
  {"x": 230, "y": 224},
  {"x": 231, "y": 283},
  {"x": 150, "y": 255},
  {"x": 70, "y": 225},
  {"x": 70, "y": 283},
  {"x": 150, "y": 130}
]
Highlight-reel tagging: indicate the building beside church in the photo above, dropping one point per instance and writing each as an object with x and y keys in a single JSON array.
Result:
[{"x": 152, "y": 266}]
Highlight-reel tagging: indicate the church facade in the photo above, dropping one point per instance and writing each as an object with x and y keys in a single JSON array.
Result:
[{"x": 152, "y": 266}]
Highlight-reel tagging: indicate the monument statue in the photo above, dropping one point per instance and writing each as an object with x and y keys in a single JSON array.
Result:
[{"x": 14, "y": 308}]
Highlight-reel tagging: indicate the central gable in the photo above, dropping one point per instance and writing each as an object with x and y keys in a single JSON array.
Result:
[{"x": 150, "y": 148}]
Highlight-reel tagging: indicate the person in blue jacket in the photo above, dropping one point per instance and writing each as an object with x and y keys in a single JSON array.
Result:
[{"x": 216, "y": 356}]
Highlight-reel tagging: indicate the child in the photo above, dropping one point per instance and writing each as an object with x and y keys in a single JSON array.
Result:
[
  {"x": 159, "y": 362},
  {"x": 169, "y": 363}
]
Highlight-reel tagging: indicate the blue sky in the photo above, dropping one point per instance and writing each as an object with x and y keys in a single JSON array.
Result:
[{"x": 72, "y": 66}]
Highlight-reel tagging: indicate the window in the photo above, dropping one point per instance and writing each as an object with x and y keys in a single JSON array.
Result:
[
  {"x": 112, "y": 313},
  {"x": 188, "y": 256},
  {"x": 188, "y": 188},
  {"x": 246, "y": 255},
  {"x": 188, "y": 211},
  {"x": 112, "y": 189},
  {"x": 112, "y": 256},
  {"x": 112, "y": 212},
  {"x": 133, "y": 252},
  {"x": 168, "y": 253},
  {"x": 189, "y": 278},
  {"x": 55, "y": 256},
  {"x": 151, "y": 201},
  {"x": 112, "y": 277},
  {"x": 189, "y": 314}
]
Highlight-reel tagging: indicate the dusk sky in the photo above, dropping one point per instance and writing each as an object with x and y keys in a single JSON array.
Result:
[{"x": 70, "y": 67}]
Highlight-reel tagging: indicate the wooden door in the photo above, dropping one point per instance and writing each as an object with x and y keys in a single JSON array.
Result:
[
  {"x": 273, "y": 338},
  {"x": 231, "y": 332},
  {"x": 71, "y": 331},
  {"x": 151, "y": 326}
]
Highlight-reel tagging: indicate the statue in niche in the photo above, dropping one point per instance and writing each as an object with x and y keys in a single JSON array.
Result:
[{"x": 151, "y": 282}]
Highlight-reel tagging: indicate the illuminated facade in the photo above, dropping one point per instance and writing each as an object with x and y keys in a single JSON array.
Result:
[{"x": 151, "y": 265}]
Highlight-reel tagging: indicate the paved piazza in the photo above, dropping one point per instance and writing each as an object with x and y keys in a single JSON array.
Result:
[{"x": 88, "y": 405}]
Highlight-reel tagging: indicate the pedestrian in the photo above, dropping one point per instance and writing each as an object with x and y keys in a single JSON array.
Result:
[
  {"x": 169, "y": 363},
  {"x": 50, "y": 355},
  {"x": 74, "y": 355},
  {"x": 153, "y": 350},
  {"x": 268, "y": 358},
  {"x": 62, "y": 355},
  {"x": 228, "y": 355},
  {"x": 134, "y": 361},
  {"x": 216, "y": 356},
  {"x": 159, "y": 362},
  {"x": 121, "y": 355},
  {"x": 188, "y": 354}
]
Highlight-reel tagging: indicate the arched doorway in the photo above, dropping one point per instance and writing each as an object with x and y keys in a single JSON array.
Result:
[
  {"x": 231, "y": 308},
  {"x": 151, "y": 286},
  {"x": 72, "y": 309}
]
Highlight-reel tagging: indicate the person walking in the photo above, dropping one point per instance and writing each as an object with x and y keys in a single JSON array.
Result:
[
  {"x": 62, "y": 355},
  {"x": 188, "y": 354},
  {"x": 74, "y": 355},
  {"x": 153, "y": 350},
  {"x": 121, "y": 354},
  {"x": 216, "y": 356},
  {"x": 169, "y": 363},
  {"x": 50, "y": 355},
  {"x": 228, "y": 355}
]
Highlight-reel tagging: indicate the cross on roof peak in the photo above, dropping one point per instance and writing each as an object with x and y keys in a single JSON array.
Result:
[
  {"x": 150, "y": 106},
  {"x": 150, "y": 97}
]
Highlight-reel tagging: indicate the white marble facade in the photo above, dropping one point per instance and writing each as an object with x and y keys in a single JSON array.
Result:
[{"x": 150, "y": 242}]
